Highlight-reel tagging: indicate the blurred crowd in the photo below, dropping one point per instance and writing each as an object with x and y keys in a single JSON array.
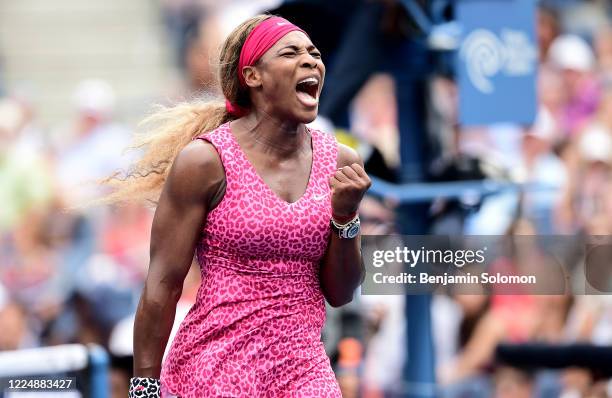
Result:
[
  {"x": 564, "y": 162},
  {"x": 71, "y": 273}
]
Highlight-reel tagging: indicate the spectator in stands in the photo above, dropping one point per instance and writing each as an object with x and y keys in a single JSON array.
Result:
[
  {"x": 603, "y": 51},
  {"x": 574, "y": 57},
  {"x": 24, "y": 175},
  {"x": 96, "y": 143},
  {"x": 182, "y": 18},
  {"x": 547, "y": 29},
  {"x": 15, "y": 333}
]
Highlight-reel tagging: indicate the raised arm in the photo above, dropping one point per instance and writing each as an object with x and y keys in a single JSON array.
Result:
[
  {"x": 192, "y": 188},
  {"x": 342, "y": 267}
]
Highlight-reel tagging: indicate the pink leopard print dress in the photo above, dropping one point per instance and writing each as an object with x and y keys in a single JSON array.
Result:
[{"x": 255, "y": 328}]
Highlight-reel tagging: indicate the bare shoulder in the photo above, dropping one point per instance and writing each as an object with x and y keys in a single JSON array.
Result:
[
  {"x": 199, "y": 155},
  {"x": 197, "y": 172},
  {"x": 347, "y": 156}
]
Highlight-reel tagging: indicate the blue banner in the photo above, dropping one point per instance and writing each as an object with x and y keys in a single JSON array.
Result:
[{"x": 497, "y": 61}]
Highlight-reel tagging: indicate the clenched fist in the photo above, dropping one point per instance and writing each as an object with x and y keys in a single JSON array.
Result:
[{"x": 348, "y": 185}]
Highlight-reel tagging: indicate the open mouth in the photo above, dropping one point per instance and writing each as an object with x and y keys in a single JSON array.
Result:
[{"x": 308, "y": 91}]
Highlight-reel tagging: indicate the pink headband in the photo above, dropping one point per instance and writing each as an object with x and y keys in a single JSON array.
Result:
[{"x": 260, "y": 40}]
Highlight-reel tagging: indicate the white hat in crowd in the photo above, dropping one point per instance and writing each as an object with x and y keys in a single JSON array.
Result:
[
  {"x": 571, "y": 52},
  {"x": 94, "y": 96},
  {"x": 595, "y": 144}
]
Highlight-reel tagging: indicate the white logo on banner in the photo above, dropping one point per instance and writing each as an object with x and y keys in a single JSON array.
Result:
[{"x": 486, "y": 55}]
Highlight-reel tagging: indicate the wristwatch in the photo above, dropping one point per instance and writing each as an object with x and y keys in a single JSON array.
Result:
[{"x": 348, "y": 230}]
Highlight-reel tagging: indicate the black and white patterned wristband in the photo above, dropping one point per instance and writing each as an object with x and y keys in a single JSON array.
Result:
[{"x": 144, "y": 387}]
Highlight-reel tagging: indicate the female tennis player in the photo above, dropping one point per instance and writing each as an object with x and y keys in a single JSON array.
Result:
[{"x": 269, "y": 206}]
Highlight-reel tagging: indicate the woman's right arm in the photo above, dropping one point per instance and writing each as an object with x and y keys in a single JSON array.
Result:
[{"x": 196, "y": 177}]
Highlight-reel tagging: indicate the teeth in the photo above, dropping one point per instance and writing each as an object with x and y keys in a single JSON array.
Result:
[{"x": 309, "y": 80}]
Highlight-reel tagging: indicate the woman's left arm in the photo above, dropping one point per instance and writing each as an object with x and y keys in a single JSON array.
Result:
[{"x": 342, "y": 267}]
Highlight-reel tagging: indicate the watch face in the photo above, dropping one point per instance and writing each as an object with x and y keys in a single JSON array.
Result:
[{"x": 353, "y": 231}]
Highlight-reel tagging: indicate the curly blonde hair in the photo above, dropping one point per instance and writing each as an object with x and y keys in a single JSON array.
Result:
[{"x": 172, "y": 128}]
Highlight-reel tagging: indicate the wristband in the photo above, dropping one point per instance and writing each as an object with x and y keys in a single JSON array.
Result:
[
  {"x": 144, "y": 387},
  {"x": 344, "y": 220}
]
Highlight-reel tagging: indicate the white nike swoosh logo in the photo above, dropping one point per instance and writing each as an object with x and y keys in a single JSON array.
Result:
[{"x": 320, "y": 197}]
